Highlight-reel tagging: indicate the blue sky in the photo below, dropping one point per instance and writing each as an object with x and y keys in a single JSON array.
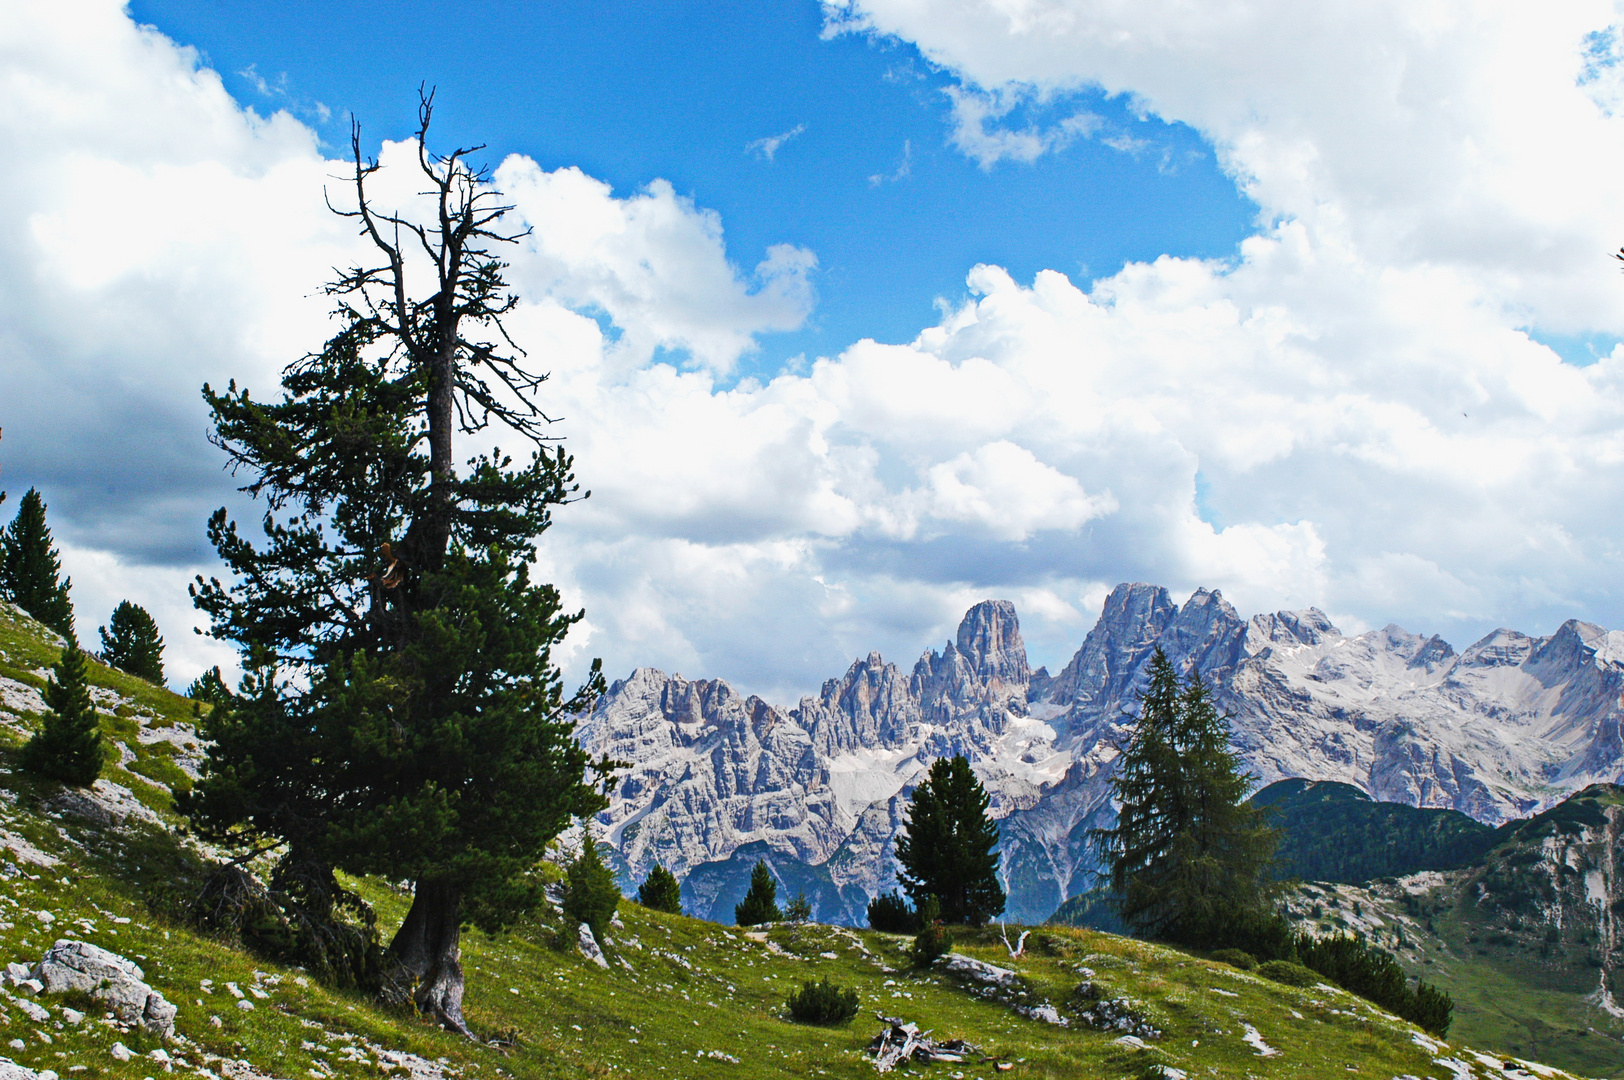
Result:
[
  {"x": 681, "y": 91},
  {"x": 1312, "y": 304}
]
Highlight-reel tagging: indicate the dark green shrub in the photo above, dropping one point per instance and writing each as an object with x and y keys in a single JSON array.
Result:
[
  {"x": 1373, "y": 974},
  {"x": 1238, "y": 958},
  {"x": 1284, "y": 971},
  {"x": 933, "y": 940},
  {"x": 823, "y": 1003},
  {"x": 660, "y": 891},
  {"x": 590, "y": 892},
  {"x": 1433, "y": 1009},
  {"x": 800, "y": 909},
  {"x": 891, "y": 914}
]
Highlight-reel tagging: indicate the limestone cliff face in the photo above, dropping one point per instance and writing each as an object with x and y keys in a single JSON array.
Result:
[{"x": 1503, "y": 728}]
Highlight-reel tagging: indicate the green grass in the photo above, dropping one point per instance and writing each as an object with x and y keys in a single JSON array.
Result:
[
  {"x": 681, "y": 998},
  {"x": 1516, "y": 998}
]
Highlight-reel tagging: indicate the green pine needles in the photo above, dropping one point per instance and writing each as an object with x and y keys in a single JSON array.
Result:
[
  {"x": 1189, "y": 858},
  {"x": 590, "y": 893},
  {"x": 660, "y": 891},
  {"x": 760, "y": 903},
  {"x": 69, "y": 746},
  {"x": 948, "y": 851},
  {"x": 131, "y": 643},
  {"x": 31, "y": 568},
  {"x": 402, "y": 712}
]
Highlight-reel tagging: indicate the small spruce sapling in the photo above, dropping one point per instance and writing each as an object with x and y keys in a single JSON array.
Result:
[
  {"x": 933, "y": 939},
  {"x": 799, "y": 909},
  {"x": 660, "y": 891},
  {"x": 590, "y": 892},
  {"x": 760, "y": 904},
  {"x": 131, "y": 643},
  {"x": 209, "y": 689},
  {"x": 69, "y": 745}
]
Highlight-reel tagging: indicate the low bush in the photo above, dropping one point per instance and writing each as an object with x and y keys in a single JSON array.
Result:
[
  {"x": 1237, "y": 958},
  {"x": 1284, "y": 971},
  {"x": 823, "y": 1003},
  {"x": 933, "y": 940},
  {"x": 1373, "y": 974}
]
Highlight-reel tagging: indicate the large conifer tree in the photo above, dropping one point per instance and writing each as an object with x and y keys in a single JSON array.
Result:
[
  {"x": 131, "y": 642},
  {"x": 1189, "y": 858},
  {"x": 33, "y": 568},
  {"x": 68, "y": 747},
  {"x": 947, "y": 851},
  {"x": 401, "y": 712}
]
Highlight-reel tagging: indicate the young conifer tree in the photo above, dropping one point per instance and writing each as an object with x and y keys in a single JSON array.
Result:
[
  {"x": 661, "y": 891},
  {"x": 69, "y": 745},
  {"x": 760, "y": 903},
  {"x": 210, "y": 688},
  {"x": 401, "y": 712},
  {"x": 131, "y": 643},
  {"x": 1189, "y": 858},
  {"x": 33, "y": 568},
  {"x": 948, "y": 850},
  {"x": 590, "y": 892}
]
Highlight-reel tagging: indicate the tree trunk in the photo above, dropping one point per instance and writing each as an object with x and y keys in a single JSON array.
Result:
[{"x": 426, "y": 956}]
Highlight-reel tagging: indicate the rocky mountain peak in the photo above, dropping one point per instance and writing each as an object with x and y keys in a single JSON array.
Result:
[{"x": 989, "y": 639}]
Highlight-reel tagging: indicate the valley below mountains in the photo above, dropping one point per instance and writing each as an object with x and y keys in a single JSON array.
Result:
[{"x": 1503, "y": 729}]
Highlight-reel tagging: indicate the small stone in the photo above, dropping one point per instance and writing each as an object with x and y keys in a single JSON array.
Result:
[
  {"x": 214, "y": 1021},
  {"x": 72, "y": 1016},
  {"x": 236, "y": 993},
  {"x": 159, "y": 1056},
  {"x": 17, "y": 1044},
  {"x": 47, "y": 1074},
  {"x": 120, "y": 1051},
  {"x": 45, "y": 917},
  {"x": 245, "y": 1005},
  {"x": 37, "y": 1013}
]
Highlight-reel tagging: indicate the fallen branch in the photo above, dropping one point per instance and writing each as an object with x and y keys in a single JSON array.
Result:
[{"x": 902, "y": 1041}]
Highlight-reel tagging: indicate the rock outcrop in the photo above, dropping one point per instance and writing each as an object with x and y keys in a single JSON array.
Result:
[
  {"x": 79, "y": 967},
  {"x": 1506, "y": 727}
]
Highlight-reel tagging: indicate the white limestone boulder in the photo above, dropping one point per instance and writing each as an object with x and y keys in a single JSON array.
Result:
[{"x": 77, "y": 966}]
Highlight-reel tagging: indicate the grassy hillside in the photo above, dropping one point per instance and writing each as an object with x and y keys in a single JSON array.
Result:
[{"x": 681, "y": 998}]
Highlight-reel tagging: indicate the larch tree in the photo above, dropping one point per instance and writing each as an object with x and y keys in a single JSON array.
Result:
[
  {"x": 1189, "y": 858},
  {"x": 401, "y": 713},
  {"x": 948, "y": 850},
  {"x": 131, "y": 643},
  {"x": 32, "y": 569}
]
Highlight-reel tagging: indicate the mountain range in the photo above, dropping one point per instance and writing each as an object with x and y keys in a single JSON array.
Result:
[{"x": 1503, "y": 729}]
